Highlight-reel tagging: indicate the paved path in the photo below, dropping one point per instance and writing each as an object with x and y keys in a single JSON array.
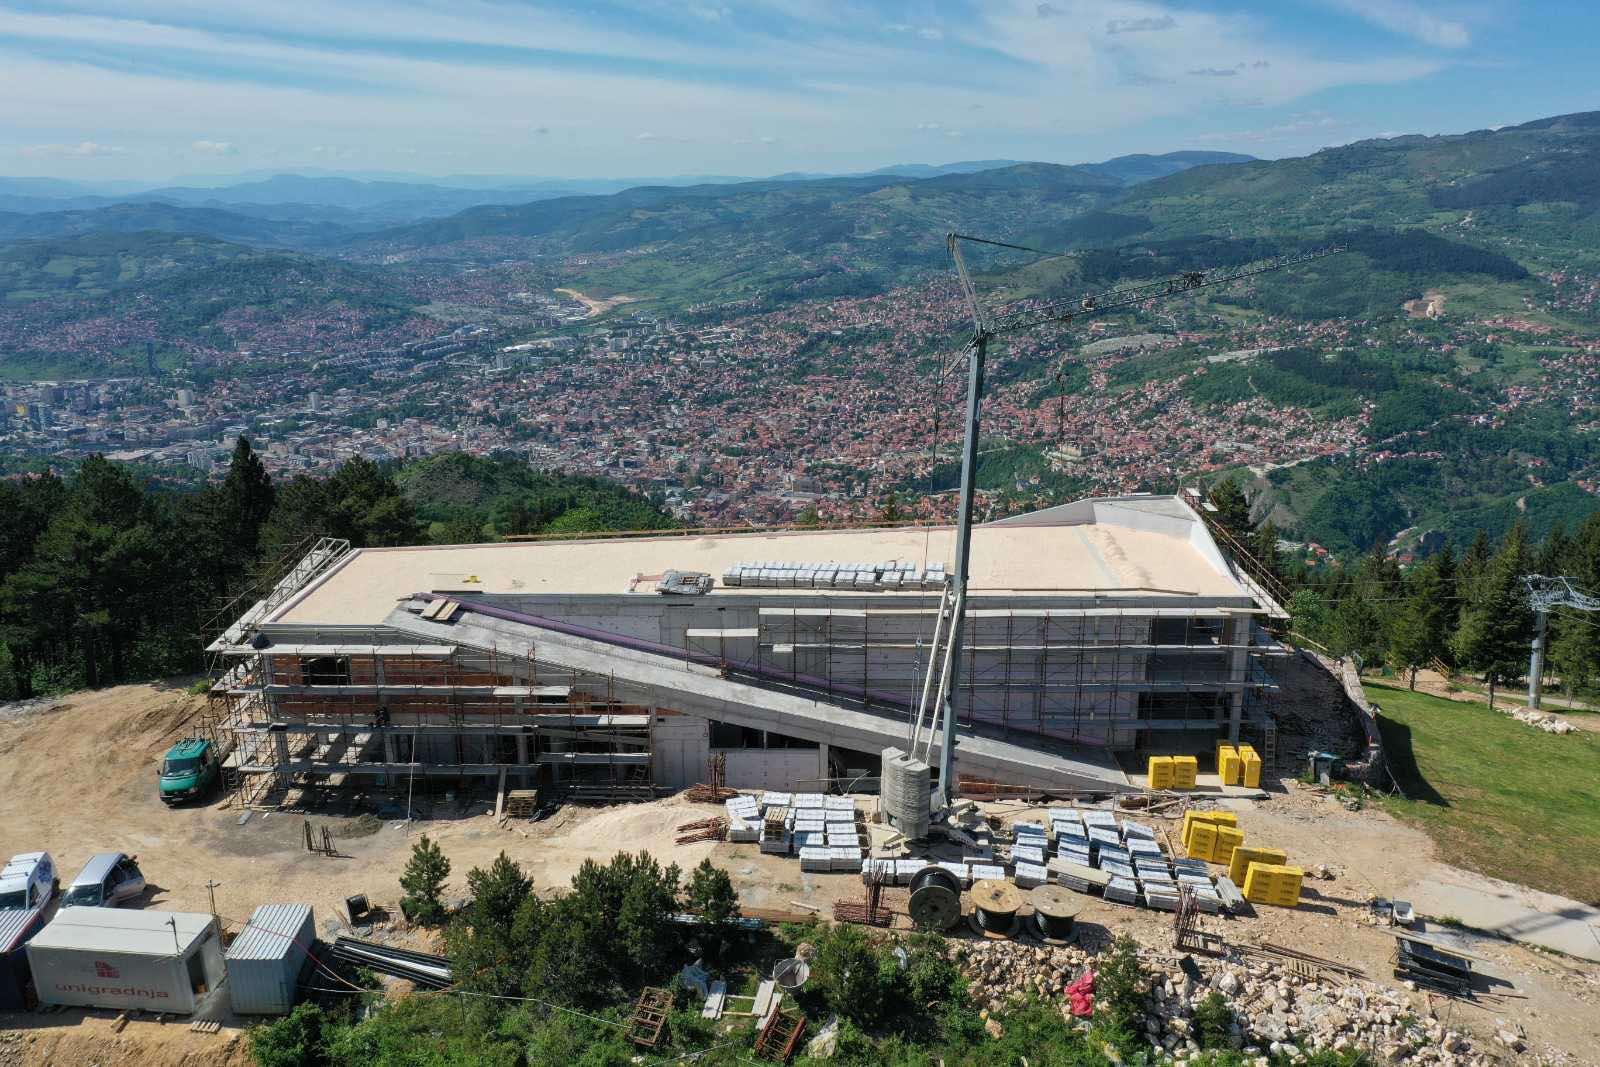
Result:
[{"x": 1513, "y": 911}]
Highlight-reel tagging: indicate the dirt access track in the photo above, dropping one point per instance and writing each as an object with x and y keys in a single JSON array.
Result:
[{"x": 81, "y": 778}]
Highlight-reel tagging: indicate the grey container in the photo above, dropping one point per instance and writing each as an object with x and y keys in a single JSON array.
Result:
[{"x": 265, "y": 960}]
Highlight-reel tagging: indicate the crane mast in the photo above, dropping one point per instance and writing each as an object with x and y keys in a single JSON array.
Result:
[{"x": 939, "y": 701}]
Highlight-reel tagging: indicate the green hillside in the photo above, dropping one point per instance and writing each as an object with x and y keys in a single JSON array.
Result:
[{"x": 469, "y": 498}]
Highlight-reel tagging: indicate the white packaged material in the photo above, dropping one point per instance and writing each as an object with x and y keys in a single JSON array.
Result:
[
  {"x": 982, "y": 872},
  {"x": 816, "y": 859},
  {"x": 1027, "y": 854},
  {"x": 962, "y": 872},
  {"x": 844, "y": 859},
  {"x": 1030, "y": 875}
]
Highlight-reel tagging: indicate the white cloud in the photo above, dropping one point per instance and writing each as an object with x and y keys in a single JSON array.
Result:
[
  {"x": 1148, "y": 24},
  {"x": 1298, "y": 127},
  {"x": 81, "y": 150},
  {"x": 1422, "y": 23},
  {"x": 215, "y": 148},
  {"x": 845, "y": 91}
]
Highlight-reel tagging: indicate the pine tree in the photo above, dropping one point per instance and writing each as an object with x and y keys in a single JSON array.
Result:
[
  {"x": 424, "y": 880},
  {"x": 1419, "y": 630},
  {"x": 248, "y": 495},
  {"x": 9, "y": 688},
  {"x": 1233, "y": 507},
  {"x": 1575, "y": 638},
  {"x": 710, "y": 895},
  {"x": 1496, "y": 623}
]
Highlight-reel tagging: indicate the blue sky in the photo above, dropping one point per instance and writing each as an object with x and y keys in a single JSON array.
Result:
[{"x": 151, "y": 89}]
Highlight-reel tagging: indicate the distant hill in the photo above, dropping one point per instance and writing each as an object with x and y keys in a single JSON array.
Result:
[
  {"x": 1533, "y": 190},
  {"x": 1133, "y": 169},
  {"x": 461, "y": 493},
  {"x": 175, "y": 289},
  {"x": 135, "y": 217}
]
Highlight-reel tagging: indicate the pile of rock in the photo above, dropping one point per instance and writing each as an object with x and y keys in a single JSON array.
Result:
[
  {"x": 1275, "y": 1012},
  {"x": 1538, "y": 719}
]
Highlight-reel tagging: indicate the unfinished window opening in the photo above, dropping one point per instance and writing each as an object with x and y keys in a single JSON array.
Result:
[{"x": 326, "y": 670}]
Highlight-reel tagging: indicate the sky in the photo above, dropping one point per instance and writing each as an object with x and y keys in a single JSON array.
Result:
[{"x": 152, "y": 90}]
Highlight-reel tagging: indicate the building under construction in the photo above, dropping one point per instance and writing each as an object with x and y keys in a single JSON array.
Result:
[{"x": 614, "y": 667}]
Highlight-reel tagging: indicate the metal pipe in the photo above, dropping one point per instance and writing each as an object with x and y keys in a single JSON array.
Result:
[
  {"x": 927, "y": 681},
  {"x": 1541, "y": 624}
]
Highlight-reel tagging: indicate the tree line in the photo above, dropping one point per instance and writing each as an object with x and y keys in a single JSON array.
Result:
[
  {"x": 107, "y": 576},
  {"x": 1467, "y": 611}
]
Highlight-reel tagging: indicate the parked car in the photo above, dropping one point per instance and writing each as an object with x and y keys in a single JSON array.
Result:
[
  {"x": 108, "y": 879},
  {"x": 28, "y": 882},
  {"x": 189, "y": 769}
]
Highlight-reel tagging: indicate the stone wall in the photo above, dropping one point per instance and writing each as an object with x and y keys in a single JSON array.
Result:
[{"x": 1370, "y": 767}]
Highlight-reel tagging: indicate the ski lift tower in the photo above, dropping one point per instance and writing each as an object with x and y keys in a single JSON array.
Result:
[
  {"x": 1012, "y": 318},
  {"x": 1544, "y": 594}
]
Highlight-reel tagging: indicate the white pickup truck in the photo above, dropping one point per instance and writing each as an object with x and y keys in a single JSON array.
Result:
[{"x": 27, "y": 885}]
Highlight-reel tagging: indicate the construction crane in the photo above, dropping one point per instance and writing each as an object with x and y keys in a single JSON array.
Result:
[
  {"x": 1011, "y": 318},
  {"x": 1544, "y": 594}
]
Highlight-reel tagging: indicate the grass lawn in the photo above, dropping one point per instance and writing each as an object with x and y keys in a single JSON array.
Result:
[{"x": 1496, "y": 795}]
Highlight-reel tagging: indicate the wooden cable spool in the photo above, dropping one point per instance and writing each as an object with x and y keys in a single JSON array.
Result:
[
  {"x": 994, "y": 907},
  {"x": 1054, "y": 910}
]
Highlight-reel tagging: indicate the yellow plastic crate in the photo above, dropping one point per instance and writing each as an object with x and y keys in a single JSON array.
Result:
[
  {"x": 1229, "y": 765},
  {"x": 1160, "y": 772},
  {"x": 1215, "y": 818},
  {"x": 1250, "y": 767},
  {"x": 1274, "y": 884},
  {"x": 1202, "y": 842},
  {"x": 1184, "y": 771},
  {"x": 1228, "y": 839},
  {"x": 1242, "y": 857}
]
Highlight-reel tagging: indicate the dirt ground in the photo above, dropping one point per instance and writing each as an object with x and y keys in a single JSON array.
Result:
[{"x": 81, "y": 778}]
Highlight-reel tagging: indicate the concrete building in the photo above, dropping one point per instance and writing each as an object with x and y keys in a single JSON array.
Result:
[{"x": 1095, "y": 630}]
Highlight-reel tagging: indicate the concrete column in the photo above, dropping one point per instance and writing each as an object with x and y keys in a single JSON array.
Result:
[
  {"x": 280, "y": 747},
  {"x": 525, "y": 777},
  {"x": 391, "y": 753},
  {"x": 822, "y": 766}
]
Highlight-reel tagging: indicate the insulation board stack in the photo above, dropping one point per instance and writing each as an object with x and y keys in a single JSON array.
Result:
[
  {"x": 905, "y": 870},
  {"x": 770, "y": 800},
  {"x": 816, "y": 859},
  {"x": 962, "y": 871},
  {"x": 844, "y": 858},
  {"x": 744, "y": 819},
  {"x": 1030, "y": 875},
  {"x": 877, "y": 870},
  {"x": 986, "y": 872},
  {"x": 775, "y": 842},
  {"x": 1027, "y": 854},
  {"x": 1122, "y": 890},
  {"x": 1202, "y": 840}
]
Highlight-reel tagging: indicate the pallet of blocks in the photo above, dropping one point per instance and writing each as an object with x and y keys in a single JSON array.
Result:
[
  {"x": 1242, "y": 858},
  {"x": 1200, "y": 842},
  {"x": 1274, "y": 884},
  {"x": 1250, "y": 767},
  {"x": 1215, "y": 818},
  {"x": 1229, "y": 766},
  {"x": 1159, "y": 771},
  {"x": 1228, "y": 839},
  {"x": 1185, "y": 770}
]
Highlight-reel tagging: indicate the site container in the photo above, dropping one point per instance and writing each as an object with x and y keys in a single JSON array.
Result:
[
  {"x": 1160, "y": 771},
  {"x": 16, "y": 927},
  {"x": 1184, "y": 771},
  {"x": 115, "y": 958},
  {"x": 1250, "y": 766},
  {"x": 1272, "y": 883},
  {"x": 265, "y": 961},
  {"x": 1229, "y": 838},
  {"x": 1229, "y": 765},
  {"x": 1243, "y": 857}
]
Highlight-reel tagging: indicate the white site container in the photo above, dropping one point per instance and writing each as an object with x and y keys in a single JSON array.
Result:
[
  {"x": 265, "y": 960},
  {"x": 161, "y": 961}
]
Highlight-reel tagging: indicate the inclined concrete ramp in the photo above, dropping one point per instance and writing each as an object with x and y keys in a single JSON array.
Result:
[{"x": 703, "y": 690}]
